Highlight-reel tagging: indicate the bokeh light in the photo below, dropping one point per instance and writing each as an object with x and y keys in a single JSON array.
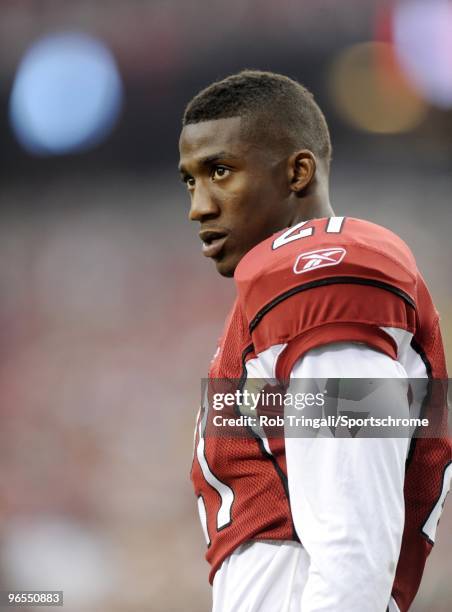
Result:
[
  {"x": 422, "y": 36},
  {"x": 371, "y": 93},
  {"x": 66, "y": 96}
]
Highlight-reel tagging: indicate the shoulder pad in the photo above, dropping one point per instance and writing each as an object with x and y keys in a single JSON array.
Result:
[
  {"x": 321, "y": 252},
  {"x": 309, "y": 285}
]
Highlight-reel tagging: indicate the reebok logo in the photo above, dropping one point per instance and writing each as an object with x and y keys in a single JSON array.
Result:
[{"x": 318, "y": 259}]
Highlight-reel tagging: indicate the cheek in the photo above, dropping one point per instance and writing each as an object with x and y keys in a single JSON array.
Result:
[{"x": 252, "y": 204}]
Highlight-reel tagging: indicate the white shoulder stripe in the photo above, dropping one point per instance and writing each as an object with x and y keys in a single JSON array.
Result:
[
  {"x": 263, "y": 368},
  {"x": 406, "y": 355},
  {"x": 393, "y": 607}
]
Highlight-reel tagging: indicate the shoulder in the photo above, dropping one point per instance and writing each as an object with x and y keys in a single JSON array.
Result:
[
  {"x": 324, "y": 252},
  {"x": 325, "y": 281}
]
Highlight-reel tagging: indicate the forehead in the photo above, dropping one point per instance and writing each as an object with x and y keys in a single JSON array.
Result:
[{"x": 207, "y": 138}]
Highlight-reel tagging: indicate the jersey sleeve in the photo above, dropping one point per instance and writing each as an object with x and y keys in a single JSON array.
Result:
[
  {"x": 346, "y": 495},
  {"x": 326, "y": 287}
]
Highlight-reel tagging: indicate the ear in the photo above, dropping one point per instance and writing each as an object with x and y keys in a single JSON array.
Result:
[{"x": 302, "y": 169}]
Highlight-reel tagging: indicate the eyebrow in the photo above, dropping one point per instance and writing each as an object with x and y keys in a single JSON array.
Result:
[{"x": 210, "y": 159}]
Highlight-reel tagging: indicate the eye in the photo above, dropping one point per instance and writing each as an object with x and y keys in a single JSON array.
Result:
[
  {"x": 219, "y": 172},
  {"x": 189, "y": 181}
]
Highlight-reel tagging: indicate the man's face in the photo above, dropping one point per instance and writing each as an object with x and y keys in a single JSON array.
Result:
[{"x": 239, "y": 190}]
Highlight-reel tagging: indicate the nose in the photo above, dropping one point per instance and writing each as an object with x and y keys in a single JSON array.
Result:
[{"x": 203, "y": 205}]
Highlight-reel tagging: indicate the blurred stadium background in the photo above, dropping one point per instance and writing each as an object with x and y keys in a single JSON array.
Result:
[{"x": 109, "y": 314}]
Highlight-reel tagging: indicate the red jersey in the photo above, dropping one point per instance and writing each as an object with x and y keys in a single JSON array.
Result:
[{"x": 321, "y": 281}]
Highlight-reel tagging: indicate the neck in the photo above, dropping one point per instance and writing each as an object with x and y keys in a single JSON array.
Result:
[{"x": 313, "y": 210}]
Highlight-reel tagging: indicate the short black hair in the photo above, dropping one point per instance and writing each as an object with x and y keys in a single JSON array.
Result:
[{"x": 285, "y": 107}]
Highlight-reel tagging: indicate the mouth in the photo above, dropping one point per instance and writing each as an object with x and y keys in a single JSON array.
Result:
[{"x": 212, "y": 242}]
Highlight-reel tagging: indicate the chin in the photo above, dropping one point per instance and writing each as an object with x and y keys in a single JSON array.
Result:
[
  {"x": 226, "y": 265},
  {"x": 225, "y": 269},
  {"x": 228, "y": 261}
]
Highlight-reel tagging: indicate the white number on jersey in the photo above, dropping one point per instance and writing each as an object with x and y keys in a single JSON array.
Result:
[
  {"x": 224, "y": 491},
  {"x": 333, "y": 226}
]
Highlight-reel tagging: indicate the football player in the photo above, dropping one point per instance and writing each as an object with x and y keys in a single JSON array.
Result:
[{"x": 296, "y": 523}]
